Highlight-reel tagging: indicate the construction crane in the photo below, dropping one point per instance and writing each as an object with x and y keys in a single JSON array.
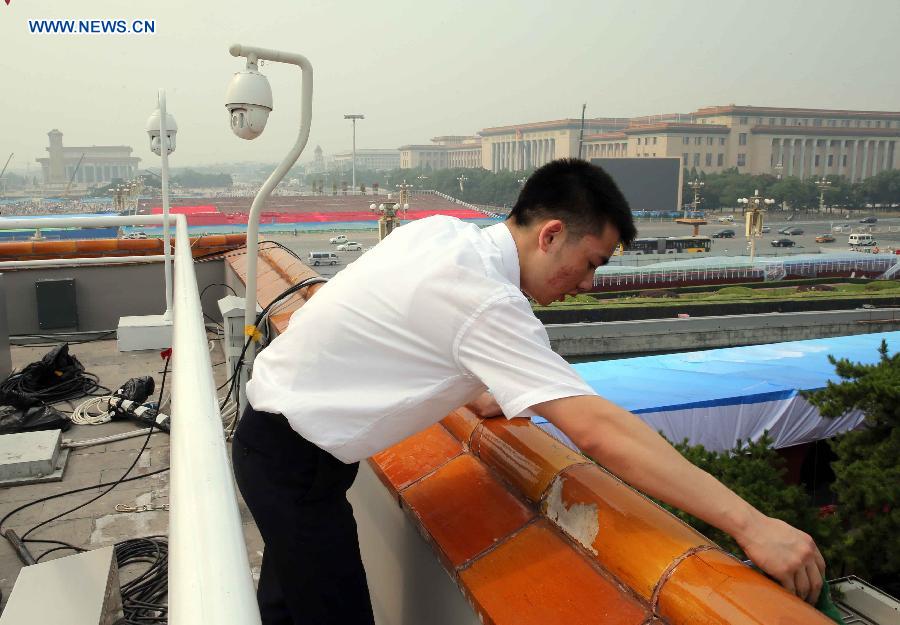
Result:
[
  {"x": 3, "y": 171},
  {"x": 72, "y": 179}
]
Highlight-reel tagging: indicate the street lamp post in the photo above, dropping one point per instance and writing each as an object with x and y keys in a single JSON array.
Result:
[
  {"x": 389, "y": 219},
  {"x": 753, "y": 218},
  {"x": 404, "y": 193},
  {"x": 422, "y": 180},
  {"x": 462, "y": 182},
  {"x": 823, "y": 186},
  {"x": 697, "y": 186},
  {"x": 353, "y": 118}
]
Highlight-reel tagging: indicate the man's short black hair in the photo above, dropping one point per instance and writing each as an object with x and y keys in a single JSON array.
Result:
[{"x": 581, "y": 195}]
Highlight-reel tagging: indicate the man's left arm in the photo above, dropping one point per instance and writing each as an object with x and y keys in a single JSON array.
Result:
[{"x": 628, "y": 447}]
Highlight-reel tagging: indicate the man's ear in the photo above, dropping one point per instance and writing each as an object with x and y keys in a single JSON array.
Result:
[{"x": 549, "y": 232}]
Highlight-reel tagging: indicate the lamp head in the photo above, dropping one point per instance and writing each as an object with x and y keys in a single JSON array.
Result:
[{"x": 249, "y": 101}]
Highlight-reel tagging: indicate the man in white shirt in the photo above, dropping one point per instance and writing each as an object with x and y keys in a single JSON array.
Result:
[{"x": 426, "y": 321}]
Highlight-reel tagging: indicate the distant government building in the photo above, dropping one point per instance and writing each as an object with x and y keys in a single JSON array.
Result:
[
  {"x": 756, "y": 140},
  {"x": 91, "y": 165}
]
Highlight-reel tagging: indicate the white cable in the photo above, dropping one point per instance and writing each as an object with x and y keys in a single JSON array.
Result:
[
  {"x": 107, "y": 439},
  {"x": 89, "y": 412}
]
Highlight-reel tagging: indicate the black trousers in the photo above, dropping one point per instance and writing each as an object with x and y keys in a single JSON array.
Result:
[{"x": 312, "y": 572}]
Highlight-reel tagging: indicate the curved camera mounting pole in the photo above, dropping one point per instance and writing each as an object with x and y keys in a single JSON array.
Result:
[{"x": 253, "y": 56}]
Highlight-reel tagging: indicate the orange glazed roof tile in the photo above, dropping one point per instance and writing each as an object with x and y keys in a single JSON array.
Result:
[
  {"x": 535, "y": 533},
  {"x": 93, "y": 248}
]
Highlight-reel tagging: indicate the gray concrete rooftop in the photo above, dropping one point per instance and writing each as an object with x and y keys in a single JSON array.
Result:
[{"x": 99, "y": 524}]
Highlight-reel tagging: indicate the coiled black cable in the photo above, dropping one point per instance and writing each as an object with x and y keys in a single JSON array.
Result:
[
  {"x": 35, "y": 389},
  {"x": 144, "y": 598}
]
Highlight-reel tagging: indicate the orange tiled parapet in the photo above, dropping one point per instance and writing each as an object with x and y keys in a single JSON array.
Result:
[
  {"x": 536, "y": 533},
  {"x": 536, "y": 578},
  {"x": 276, "y": 270},
  {"x": 415, "y": 457},
  {"x": 713, "y": 587},
  {"x": 522, "y": 454},
  {"x": 95, "y": 248}
]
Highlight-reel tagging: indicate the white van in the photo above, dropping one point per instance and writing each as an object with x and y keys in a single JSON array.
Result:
[
  {"x": 323, "y": 258},
  {"x": 859, "y": 240}
]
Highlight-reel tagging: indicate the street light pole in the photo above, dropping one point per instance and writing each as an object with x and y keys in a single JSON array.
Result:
[
  {"x": 696, "y": 185},
  {"x": 353, "y": 118},
  {"x": 823, "y": 185},
  {"x": 753, "y": 218}
]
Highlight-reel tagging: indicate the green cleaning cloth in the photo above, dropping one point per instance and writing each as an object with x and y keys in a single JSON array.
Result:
[{"x": 826, "y": 606}]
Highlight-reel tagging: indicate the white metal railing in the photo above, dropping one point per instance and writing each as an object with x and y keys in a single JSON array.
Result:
[{"x": 209, "y": 573}]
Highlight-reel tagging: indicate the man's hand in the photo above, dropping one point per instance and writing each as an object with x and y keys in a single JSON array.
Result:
[
  {"x": 485, "y": 406},
  {"x": 787, "y": 554}
]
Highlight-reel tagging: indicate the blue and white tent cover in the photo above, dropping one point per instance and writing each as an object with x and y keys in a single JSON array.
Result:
[{"x": 715, "y": 397}]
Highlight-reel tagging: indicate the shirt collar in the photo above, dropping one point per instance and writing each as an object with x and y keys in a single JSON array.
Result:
[{"x": 509, "y": 254}]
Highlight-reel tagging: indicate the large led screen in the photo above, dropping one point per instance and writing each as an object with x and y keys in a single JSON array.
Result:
[{"x": 648, "y": 183}]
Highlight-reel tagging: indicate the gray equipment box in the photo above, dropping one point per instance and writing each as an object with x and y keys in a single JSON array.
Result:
[{"x": 56, "y": 304}]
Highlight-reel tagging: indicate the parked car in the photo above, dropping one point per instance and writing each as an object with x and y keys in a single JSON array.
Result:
[
  {"x": 783, "y": 243},
  {"x": 868, "y": 220},
  {"x": 728, "y": 233},
  {"x": 350, "y": 246},
  {"x": 323, "y": 258},
  {"x": 341, "y": 238},
  {"x": 824, "y": 238},
  {"x": 786, "y": 230},
  {"x": 839, "y": 227},
  {"x": 726, "y": 219},
  {"x": 766, "y": 230},
  {"x": 794, "y": 231}
]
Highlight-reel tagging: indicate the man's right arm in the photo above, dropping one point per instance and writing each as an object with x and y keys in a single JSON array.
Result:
[{"x": 628, "y": 447}]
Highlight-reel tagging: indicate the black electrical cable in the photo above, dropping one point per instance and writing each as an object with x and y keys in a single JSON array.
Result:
[
  {"x": 60, "y": 338},
  {"x": 124, "y": 475},
  {"x": 217, "y": 284},
  {"x": 49, "y": 551},
  {"x": 81, "y": 384},
  {"x": 72, "y": 492},
  {"x": 284, "y": 247},
  {"x": 144, "y": 597},
  {"x": 232, "y": 381}
]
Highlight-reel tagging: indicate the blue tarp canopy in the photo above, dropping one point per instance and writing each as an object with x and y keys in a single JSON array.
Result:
[{"x": 715, "y": 397}]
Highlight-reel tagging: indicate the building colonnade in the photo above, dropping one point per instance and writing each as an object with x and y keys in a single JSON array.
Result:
[
  {"x": 857, "y": 159},
  {"x": 521, "y": 154}
]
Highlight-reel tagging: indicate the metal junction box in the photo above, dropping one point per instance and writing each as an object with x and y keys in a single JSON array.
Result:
[{"x": 56, "y": 304}]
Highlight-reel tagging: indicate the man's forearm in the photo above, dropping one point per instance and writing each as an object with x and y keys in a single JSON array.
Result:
[{"x": 633, "y": 451}]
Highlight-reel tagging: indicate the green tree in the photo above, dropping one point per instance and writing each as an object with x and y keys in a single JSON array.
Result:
[
  {"x": 867, "y": 468},
  {"x": 754, "y": 470},
  {"x": 193, "y": 179}
]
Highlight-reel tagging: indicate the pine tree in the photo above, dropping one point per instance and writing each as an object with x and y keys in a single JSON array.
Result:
[{"x": 867, "y": 468}]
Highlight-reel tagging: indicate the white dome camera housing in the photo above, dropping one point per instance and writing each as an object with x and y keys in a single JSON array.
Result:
[
  {"x": 249, "y": 101},
  {"x": 153, "y": 132}
]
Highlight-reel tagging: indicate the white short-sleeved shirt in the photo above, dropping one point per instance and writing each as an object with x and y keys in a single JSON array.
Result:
[{"x": 421, "y": 324}]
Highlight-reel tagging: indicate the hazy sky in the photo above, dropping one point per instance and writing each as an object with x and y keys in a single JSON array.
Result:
[{"x": 418, "y": 69}]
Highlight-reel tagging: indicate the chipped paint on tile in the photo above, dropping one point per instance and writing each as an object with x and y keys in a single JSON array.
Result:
[{"x": 581, "y": 521}]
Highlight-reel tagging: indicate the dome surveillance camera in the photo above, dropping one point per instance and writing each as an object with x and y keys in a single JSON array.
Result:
[
  {"x": 152, "y": 127},
  {"x": 249, "y": 101}
]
